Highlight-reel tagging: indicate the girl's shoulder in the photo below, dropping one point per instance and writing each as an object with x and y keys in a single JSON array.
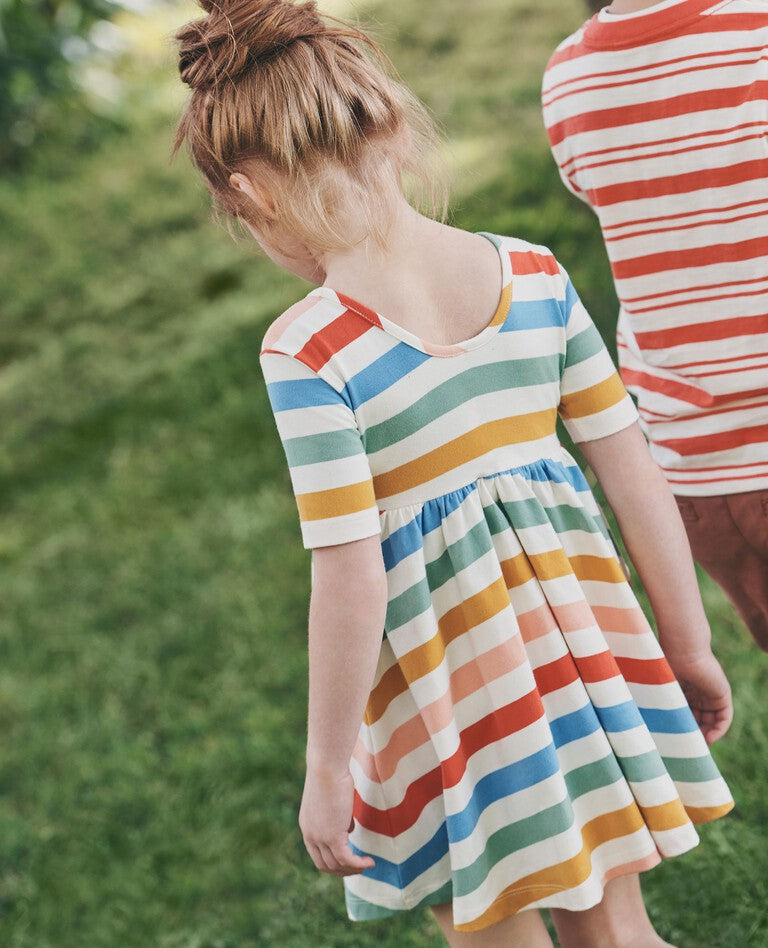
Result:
[
  {"x": 528, "y": 259},
  {"x": 535, "y": 271},
  {"x": 290, "y": 332}
]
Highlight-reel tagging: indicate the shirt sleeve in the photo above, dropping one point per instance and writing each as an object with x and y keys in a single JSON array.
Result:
[
  {"x": 328, "y": 465},
  {"x": 593, "y": 400}
]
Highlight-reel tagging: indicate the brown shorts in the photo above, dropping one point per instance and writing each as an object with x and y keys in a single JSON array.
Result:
[{"x": 729, "y": 539}]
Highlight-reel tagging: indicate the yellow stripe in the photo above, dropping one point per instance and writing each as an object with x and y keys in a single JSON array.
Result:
[
  {"x": 703, "y": 814},
  {"x": 552, "y": 564},
  {"x": 516, "y": 570},
  {"x": 604, "y": 569},
  {"x": 503, "y": 308},
  {"x": 336, "y": 502},
  {"x": 473, "y": 444},
  {"x": 665, "y": 816},
  {"x": 565, "y": 875},
  {"x": 589, "y": 401},
  {"x": 425, "y": 658}
]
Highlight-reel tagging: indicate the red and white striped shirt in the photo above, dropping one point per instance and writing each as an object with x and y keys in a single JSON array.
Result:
[{"x": 659, "y": 121}]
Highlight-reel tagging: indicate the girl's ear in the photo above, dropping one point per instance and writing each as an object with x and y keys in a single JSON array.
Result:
[{"x": 265, "y": 205}]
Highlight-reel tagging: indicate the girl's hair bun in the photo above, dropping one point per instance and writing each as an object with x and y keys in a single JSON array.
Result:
[{"x": 237, "y": 34}]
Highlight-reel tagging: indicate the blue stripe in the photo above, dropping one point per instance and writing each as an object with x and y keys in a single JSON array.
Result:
[
  {"x": 572, "y": 726},
  {"x": 400, "y": 544},
  {"x": 620, "y": 717},
  {"x": 571, "y": 299},
  {"x": 302, "y": 393},
  {"x": 434, "y": 511},
  {"x": 384, "y": 372},
  {"x": 501, "y": 783},
  {"x": 669, "y": 721},
  {"x": 533, "y": 314},
  {"x": 521, "y": 775},
  {"x": 504, "y": 782},
  {"x": 407, "y": 539},
  {"x": 402, "y": 874}
]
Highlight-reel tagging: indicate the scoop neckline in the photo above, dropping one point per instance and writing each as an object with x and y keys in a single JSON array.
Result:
[{"x": 439, "y": 350}]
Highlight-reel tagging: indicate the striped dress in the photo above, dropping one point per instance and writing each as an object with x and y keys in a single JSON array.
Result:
[
  {"x": 659, "y": 121},
  {"x": 525, "y": 739}
]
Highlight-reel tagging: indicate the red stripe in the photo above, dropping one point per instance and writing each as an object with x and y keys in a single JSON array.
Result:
[
  {"x": 566, "y": 669},
  {"x": 610, "y": 35},
  {"x": 703, "y": 332},
  {"x": 371, "y": 315},
  {"x": 556, "y": 674},
  {"x": 715, "y": 480},
  {"x": 595, "y": 35},
  {"x": 645, "y": 671},
  {"x": 658, "y": 77},
  {"x": 635, "y": 310},
  {"x": 598, "y": 667},
  {"x": 673, "y": 419},
  {"x": 667, "y": 108},
  {"x": 493, "y": 727},
  {"x": 722, "y": 441},
  {"x": 693, "y": 289},
  {"x": 526, "y": 262},
  {"x": 674, "y": 228},
  {"x": 655, "y": 263},
  {"x": 655, "y": 143},
  {"x": 720, "y": 467},
  {"x": 669, "y": 387},
  {"x": 329, "y": 340},
  {"x": 720, "y": 361},
  {"x": 702, "y": 179},
  {"x": 661, "y": 64},
  {"x": 742, "y": 370}
]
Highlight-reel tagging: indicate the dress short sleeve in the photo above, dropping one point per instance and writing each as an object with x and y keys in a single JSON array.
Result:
[
  {"x": 593, "y": 400},
  {"x": 329, "y": 468}
]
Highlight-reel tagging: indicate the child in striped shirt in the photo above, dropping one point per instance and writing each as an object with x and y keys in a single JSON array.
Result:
[
  {"x": 493, "y": 726},
  {"x": 657, "y": 114}
]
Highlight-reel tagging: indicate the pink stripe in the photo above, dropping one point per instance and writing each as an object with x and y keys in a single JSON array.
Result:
[
  {"x": 631, "y": 868},
  {"x": 279, "y": 326},
  {"x": 468, "y": 679},
  {"x": 614, "y": 619},
  {"x": 574, "y": 616}
]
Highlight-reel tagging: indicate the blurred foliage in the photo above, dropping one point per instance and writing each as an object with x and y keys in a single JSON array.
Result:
[{"x": 41, "y": 44}]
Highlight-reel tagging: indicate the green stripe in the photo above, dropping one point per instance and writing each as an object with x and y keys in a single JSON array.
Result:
[
  {"x": 457, "y": 556},
  {"x": 598, "y": 773},
  {"x": 641, "y": 767},
  {"x": 583, "y": 345},
  {"x": 563, "y": 517},
  {"x": 365, "y": 911},
  {"x": 495, "y": 519},
  {"x": 456, "y": 391},
  {"x": 531, "y": 513},
  {"x": 540, "y": 826},
  {"x": 409, "y": 604},
  {"x": 509, "y": 839},
  {"x": 691, "y": 769},
  {"x": 328, "y": 446}
]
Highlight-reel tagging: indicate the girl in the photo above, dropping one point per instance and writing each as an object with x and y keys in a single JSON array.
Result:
[{"x": 493, "y": 727}]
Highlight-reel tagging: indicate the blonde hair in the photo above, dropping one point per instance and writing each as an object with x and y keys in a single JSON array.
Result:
[{"x": 307, "y": 97}]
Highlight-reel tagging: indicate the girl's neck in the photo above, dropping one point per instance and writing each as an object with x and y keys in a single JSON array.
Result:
[
  {"x": 437, "y": 282},
  {"x": 407, "y": 231}
]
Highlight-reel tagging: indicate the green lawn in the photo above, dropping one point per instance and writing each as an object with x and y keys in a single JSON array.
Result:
[{"x": 152, "y": 623}]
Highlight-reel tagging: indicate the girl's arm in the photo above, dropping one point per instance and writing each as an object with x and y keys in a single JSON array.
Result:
[
  {"x": 346, "y": 625},
  {"x": 655, "y": 537}
]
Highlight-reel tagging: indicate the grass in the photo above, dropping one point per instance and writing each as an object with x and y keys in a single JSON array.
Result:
[{"x": 152, "y": 625}]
